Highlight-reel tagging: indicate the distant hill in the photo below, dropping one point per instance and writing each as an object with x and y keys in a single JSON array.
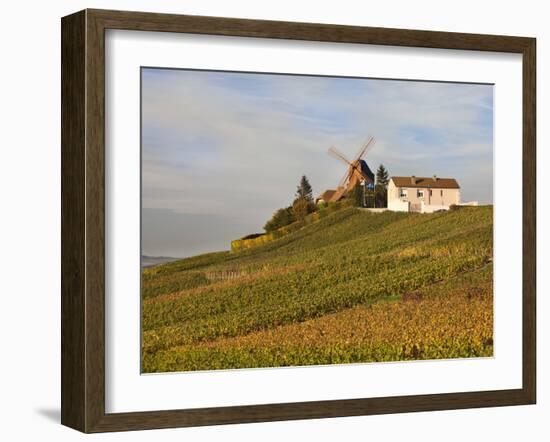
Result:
[
  {"x": 354, "y": 286},
  {"x": 148, "y": 261}
]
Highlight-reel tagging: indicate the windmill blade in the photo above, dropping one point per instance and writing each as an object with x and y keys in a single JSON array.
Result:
[
  {"x": 361, "y": 150},
  {"x": 338, "y": 155},
  {"x": 366, "y": 147},
  {"x": 345, "y": 178},
  {"x": 370, "y": 145}
]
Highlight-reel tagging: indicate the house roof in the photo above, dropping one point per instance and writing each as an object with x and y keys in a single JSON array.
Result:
[
  {"x": 420, "y": 181},
  {"x": 327, "y": 195}
]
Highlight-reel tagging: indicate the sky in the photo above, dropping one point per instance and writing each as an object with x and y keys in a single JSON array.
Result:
[{"x": 221, "y": 151}]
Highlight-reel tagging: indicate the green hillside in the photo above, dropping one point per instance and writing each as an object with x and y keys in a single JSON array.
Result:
[{"x": 353, "y": 287}]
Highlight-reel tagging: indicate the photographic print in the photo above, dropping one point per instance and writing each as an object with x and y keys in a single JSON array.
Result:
[{"x": 300, "y": 220}]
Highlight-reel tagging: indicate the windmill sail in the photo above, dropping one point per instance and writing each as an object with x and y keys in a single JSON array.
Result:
[{"x": 358, "y": 171}]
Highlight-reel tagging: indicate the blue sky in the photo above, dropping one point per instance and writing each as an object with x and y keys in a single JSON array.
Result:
[{"x": 221, "y": 151}]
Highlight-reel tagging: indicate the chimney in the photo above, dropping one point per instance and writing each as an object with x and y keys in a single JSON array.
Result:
[
  {"x": 435, "y": 178},
  {"x": 413, "y": 180}
]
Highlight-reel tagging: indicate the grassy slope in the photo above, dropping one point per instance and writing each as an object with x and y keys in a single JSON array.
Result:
[{"x": 311, "y": 297}]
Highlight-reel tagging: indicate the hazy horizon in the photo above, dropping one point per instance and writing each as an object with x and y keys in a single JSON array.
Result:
[{"x": 221, "y": 151}]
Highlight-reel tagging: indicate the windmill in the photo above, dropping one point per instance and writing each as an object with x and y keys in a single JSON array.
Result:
[{"x": 358, "y": 172}]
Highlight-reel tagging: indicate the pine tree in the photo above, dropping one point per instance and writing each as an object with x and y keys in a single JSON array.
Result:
[
  {"x": 304, "y": 190},
  {"x": 382, "y": 176},
  {"x": 381, "y": 188}
]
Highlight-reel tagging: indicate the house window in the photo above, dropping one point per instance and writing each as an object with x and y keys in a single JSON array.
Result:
[
  {"x": 441, "y": 193},
  {"x": 430, "y": 192},
  {"x": 402, "y": 193},
  {"x": 420, "y": 193}
]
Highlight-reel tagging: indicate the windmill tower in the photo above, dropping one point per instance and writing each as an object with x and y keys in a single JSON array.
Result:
[{"x": 358, "y": 172}]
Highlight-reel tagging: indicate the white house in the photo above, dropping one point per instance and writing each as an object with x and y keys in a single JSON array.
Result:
[{"x": 421, "y": 194}]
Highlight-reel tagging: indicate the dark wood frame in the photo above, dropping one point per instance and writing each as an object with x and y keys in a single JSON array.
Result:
[{"x": 83, "y": 217}]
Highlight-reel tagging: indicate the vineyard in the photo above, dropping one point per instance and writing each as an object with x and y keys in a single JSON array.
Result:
[{"x": 353, "y": 286}]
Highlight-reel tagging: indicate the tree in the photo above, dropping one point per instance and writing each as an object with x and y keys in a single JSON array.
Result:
[
  {"x": 302, "y": 205},
  {"x": 381, "y": 187},
  {"x": 282, "y": 217},
  {"x": 382, "y": 176},
  {"x": 300, "y": 208},
  {"x": 358, "y": 195},
  {"x": 304, "y": 190},
  {"x": 370, "y": 197}
]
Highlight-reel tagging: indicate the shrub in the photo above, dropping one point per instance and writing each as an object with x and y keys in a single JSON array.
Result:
[
  {"x": 301, "y": 208},
  {"x": 282, "y": 217},
  {"x": 253, "y": 235}
]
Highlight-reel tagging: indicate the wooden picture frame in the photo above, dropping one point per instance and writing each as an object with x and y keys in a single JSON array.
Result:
[{"x": 83, "y": 220}]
